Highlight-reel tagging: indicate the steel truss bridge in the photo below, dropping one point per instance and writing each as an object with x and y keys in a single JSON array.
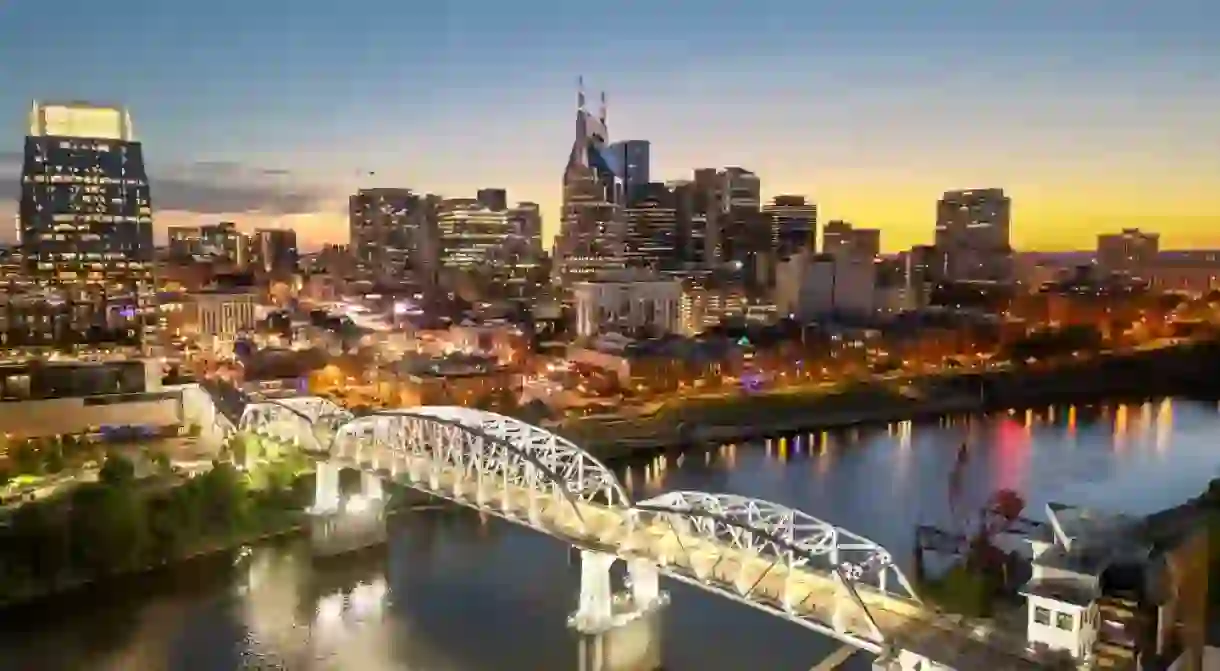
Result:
[{"x": 758, "y": 553}]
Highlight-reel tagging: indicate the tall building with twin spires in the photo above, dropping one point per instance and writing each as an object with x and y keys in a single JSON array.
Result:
[{"x": 592, "y": 233}]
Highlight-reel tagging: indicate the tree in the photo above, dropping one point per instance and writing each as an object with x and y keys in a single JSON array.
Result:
[
  {"x": 40, "y": 537},
  {"x": 162, "y": 462},
  {"x": 25, "y": 459},
  {"x": 108, "y": 527},
  {"x": 118, "y": 470},
  {"x": 53, "y": 457},
  {"x": 222, "y": 498}
]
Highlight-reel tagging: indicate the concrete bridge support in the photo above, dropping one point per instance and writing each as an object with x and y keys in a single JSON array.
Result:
[
  {"x": 618, "y": 631},
  {"x": 339, "y": 524}
]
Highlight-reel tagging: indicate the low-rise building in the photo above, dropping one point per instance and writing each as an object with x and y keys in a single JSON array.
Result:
[
  {"x": 1106, "y": 590},
  {"x": 627, "y": 304},
  {"x": 76, "y": 397},
  {"x": 819, "y": 285}
]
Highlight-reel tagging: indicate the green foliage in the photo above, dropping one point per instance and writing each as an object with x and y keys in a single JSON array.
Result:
[
  {"x": 25, "y": 458},
  {"x": 162, "y": 462},
  {"x": 118, "y": 470},
  {"x": 118, "y": 524},
  {"x": 961, "y": 591},
  {"x": 108, "y": 527}
]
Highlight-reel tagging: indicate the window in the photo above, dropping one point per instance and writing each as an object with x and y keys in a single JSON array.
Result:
[
  {"x": 1064, "y": 621},
  {"x": 1042, "y": 615}
]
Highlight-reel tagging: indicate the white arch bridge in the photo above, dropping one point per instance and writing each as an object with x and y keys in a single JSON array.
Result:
[{"x": 761, "y": 554}]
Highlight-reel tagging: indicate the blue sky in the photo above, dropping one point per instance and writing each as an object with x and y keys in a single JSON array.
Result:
[{"x": 872, "y": 108}]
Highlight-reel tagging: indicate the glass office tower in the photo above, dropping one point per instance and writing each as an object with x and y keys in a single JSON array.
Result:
[{"x": 85, "y": 221}]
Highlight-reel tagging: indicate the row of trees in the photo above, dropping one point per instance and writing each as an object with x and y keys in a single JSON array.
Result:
[{"x": 120, "y": 523}]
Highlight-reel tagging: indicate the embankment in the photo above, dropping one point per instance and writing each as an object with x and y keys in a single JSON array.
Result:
[{"x": 1187, "y": 370}]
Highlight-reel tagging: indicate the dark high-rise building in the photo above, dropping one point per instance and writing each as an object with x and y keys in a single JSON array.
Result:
[
  {"x": 652, "y": 228},
  {"x": 473, "y": 236},
  {"x": 393, "y": 232},
  {"x": 742, "y": 235},
  {"x": 224, "y": 242},
  {"x": 275, "y": 251},
  {"x": 632, "y": 162},
  {"x": 184, "y": 242},
  {"x": 794, "y": 225},
  {"x": 972, "y": 235},
  {"x": 85, "y": 223},
  {"x": 840, "y": 238},
  {"x": 525, "y": 223},
  {"x": 495, "y": 200}
]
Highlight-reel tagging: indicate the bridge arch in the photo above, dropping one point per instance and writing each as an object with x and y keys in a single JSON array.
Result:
[
  {"x": 484, "y": 445},
  {"x": 309, "y": 420},
  {"x": 787, "y": 538}
]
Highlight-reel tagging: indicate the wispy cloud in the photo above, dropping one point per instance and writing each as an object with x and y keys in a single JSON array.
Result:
[{"x": 208, "y": 187}]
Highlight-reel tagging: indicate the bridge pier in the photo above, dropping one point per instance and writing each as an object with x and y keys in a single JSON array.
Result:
[
  {"x": 618, "y": 631},
  {"x": 340, "y": 525}
]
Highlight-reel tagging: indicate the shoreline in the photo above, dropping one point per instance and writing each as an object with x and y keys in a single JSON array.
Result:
[
  {"x": 66, "y": 587},
  {"x": 208, "y": 551},
  {"x": 1178, "y": 373}
]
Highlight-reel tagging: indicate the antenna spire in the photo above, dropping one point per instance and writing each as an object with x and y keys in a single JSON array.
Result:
[
  {"x": 580, "y": 92},
  {"x": 604, "y": 108}
]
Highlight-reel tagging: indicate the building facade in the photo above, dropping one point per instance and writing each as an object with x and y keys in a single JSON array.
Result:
[
  {"x": 652, "y": 228},
  {"x": 1131, "y": 252},
  {"x": 472, "y": 236},
  {"x": 592, "y": 234},
  {"x": 493, "y": 199},
  {"x": 973, "y": 236},
  {"x": 794, "y": 225},
  {"x": 825, "y": 285},
  {"x": 393, "y": 232},
  {"x": 840, "y": 238},
  {"x": 274, "y": 251},
  {"x": 627, "y": 305},
  {"x": 85, "y": 224},
  {"x": 185, "y": 243},
  {"x": 632, "y": 161}
]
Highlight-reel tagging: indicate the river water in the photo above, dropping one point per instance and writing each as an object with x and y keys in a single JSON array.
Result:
[{"x": 455, "y": 593}]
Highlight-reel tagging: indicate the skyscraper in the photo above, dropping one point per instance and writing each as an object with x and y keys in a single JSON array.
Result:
[
  {"x": 742, "y": 233},
  {"x": 632, "y": 163},
  {"x": 525, "y": 222},
  {"x": 184, "y": 242},
  {"x": 85, "y": 223},
  {"x": 840, "y": 238},
  {"x": 495, "y": 200},
  {"x": 592, "y": 230},
  {"x": 275, "y": 251},
  {"x": 1130, "y": 252},
  {"x": 392, "y": 232},
  {"x": 223, "y": 241},
  {"x": 472, "y": 235},
  {"x": 794, "y": 225},
  {"x": 652, "y": 228},
  {"x": 972, "y": 236}
]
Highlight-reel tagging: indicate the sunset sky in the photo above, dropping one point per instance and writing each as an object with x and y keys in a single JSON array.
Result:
[{"x": 1093, "y": 114}]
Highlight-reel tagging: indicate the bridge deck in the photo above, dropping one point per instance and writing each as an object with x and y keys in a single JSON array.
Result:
[{"x": 757, "y": 581}]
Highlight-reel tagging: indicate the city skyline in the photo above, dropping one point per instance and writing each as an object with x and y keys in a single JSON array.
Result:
[{"x": 1092, "y": 118}]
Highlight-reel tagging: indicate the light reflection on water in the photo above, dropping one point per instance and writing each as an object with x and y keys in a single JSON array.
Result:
[{"x": 457, "y": 593}]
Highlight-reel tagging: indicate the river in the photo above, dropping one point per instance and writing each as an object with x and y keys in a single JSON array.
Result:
[{"x": 455, "y": 593}]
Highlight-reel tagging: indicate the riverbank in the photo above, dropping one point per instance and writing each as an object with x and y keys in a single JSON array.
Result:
[
  {"x": 203, "y": 551},
  {"x": 296, "y": 525},
  {"x": 1187, "y": 370}
]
